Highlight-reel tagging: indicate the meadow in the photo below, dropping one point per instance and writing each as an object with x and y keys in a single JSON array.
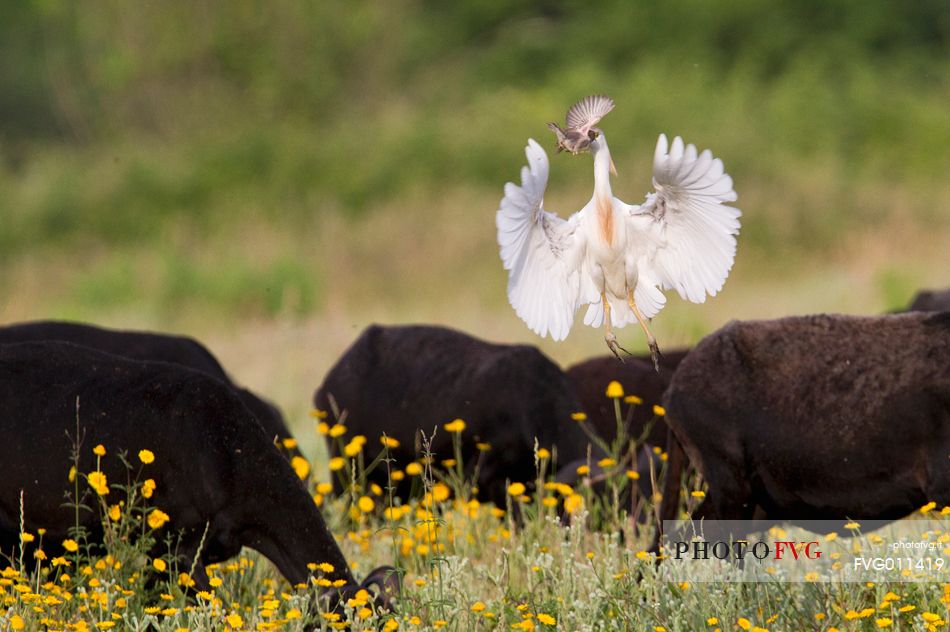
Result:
[
  {"x": 272, "y": 177},
  {"x": 464, "y": 564}
]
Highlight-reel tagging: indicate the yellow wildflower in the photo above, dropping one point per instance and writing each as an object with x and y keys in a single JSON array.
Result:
[
  {"x": 883, "y": 622},
  {"x": 338, "y": 430},
  {"x": 26, "y": 538},
  {"x": 633, "y": 475},
  {"x": 301, "y": 466},
  {"x": 337, "y": 463},
  {"x": 455, "y": 426},
  {"x": 583, "y": 470},
  {"x": 148, "y": 488},
  {"x": 146, "y": 456},
  {"x": 159, "y": 565},
  {"x": 573, "y": 503},
  {"x": 607, "y": 462},
  {"x": 157, "y": 518},
  {"x": 97, "y": 480},
  {"x": 478, "y": 606},
  {"x": 440, "y": 492},
  {"x": 632, "y": 399},
  {"x": 115, "y": 513},
  {"x": 579, "y": 416},
  {"x": 697, "y": 493},
  {"x": 659, "y": 411},
  {"x": 99, "y": 450},
  {"x": 744, "y": 623},
  {"x": 614, "y": 390},
  {"x": 928, "y": 507},
  {"x": 234, "y": 620},
  {"x": 17, "y": 623},
  {"x": 543, "y": 453},
  {"x": 546, "y": 619},
  {"x": 389, "y": 442},
  {"x": 70, "y": 545},
  {"x": 516, "y": 489},
  {"x": 413, "y": 469},
  {"x": 366, "y": 504},
  {"x": 483, "y": 446}
]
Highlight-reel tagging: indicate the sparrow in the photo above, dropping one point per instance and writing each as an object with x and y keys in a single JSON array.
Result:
[{"x": 581, "y": 119}]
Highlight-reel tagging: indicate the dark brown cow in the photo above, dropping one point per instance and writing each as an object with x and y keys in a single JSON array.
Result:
[
  {"x": 402, "y": 380},
  {"x": 214, "y": 466},
  {"x": 817, "y": 417},
  {"x": 931, "y": 301},
  {"x": 150, "y": 346}
]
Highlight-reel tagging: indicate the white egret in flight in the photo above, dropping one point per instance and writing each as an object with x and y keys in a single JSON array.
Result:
[{"x": 616, "y": 257}]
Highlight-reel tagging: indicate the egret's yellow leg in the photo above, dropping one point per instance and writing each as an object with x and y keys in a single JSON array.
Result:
[
  {"x": 654, "y": 349},
  {"x": 611, "y": 339}
]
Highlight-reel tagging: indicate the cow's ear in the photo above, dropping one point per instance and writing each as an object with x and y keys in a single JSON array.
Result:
[{"x": 387, "y": 583}]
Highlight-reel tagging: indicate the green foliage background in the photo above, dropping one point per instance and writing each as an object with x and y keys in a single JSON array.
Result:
[{"x": 187, "y": 164}]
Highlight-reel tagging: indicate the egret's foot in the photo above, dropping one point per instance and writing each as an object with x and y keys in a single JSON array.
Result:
[
  {"x": 615, "y": 347},
  {"x": 655, "y": 355}
]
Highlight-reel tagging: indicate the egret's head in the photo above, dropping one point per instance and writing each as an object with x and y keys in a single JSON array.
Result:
[{"x": 597, "y": 144}]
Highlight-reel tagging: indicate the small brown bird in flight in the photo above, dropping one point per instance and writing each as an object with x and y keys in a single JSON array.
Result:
[{"x": 581, "y": 119}]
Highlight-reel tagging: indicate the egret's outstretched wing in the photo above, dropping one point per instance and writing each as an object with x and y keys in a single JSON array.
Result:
[
  {"x": 685, "y": 231},
  {"x": 587, "y": 112},
  {"x": 541, "y": 251}
]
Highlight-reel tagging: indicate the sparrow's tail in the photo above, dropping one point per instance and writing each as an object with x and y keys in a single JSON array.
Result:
[{"x": 554, "y": 127}]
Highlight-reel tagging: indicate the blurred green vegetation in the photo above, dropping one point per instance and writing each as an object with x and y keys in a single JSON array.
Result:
[{"x": 151, "y": 130}]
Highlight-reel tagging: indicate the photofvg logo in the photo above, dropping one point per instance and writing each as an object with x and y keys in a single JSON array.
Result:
[
  {"x": 910, "y": 550},
  {"x": 737, "y": 550}
]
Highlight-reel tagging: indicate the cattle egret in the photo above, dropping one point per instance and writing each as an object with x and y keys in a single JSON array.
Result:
[{"x": 617, "y": 257}]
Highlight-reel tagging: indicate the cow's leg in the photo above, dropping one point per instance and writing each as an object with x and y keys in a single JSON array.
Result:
[
  {"x": 654, "y": 348},
  {"x": 730, "y": 497}
]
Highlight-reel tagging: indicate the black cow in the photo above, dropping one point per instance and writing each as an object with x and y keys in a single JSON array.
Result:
[
  {"x": 931, "y": 301},
  {"x": 406, "y": 379},
  {"x": 817, "y": 417},
  {"x": 141, "y": 345},
  {"x": 213, "y": 463}
]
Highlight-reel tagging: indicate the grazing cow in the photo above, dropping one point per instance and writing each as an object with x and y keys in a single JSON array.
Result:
[
  {"x": 141, "y": 345},
  {"x": 216, "y": 474},
  {"x": 931, "y": 301},
  {"x": 817, "y": 417},
  {"x": 403, "y": 380}
]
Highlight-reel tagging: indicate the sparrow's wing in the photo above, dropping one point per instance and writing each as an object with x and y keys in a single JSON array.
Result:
[
  {"x": 685, "y": 230},
  {"x": 542, "y": 252},
  {"x": 587, "y": 112}
]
